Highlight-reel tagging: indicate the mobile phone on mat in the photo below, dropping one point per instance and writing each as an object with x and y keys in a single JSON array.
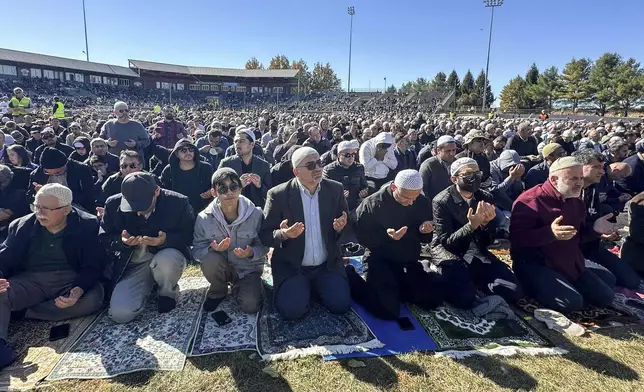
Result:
[
  {"x": 221, "y": 318},
  {"x": 405, "y": 323},
  {"x": 59, "y": 332}
]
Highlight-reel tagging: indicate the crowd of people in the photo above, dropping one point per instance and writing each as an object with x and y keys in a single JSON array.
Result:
[{"x": 121, "y": 203}]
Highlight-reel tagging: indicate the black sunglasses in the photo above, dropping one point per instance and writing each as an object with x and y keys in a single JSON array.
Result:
[
  {"x": 47, "y": 136},
  {"x": 124, "y": 110},
  {"x": 186, "y": 149},
  {"x": 311, "y": 165},
  {"x": 223, "y": 189},
  {"x": 131, "y": 166},
  {"x": 349, "y": 155}
]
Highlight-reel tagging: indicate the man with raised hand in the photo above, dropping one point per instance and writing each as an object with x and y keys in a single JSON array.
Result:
[{"x": 303, "y": 220}]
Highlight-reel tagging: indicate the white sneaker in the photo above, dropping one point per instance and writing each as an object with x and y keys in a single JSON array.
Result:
[{"x": 559, "y": 322}]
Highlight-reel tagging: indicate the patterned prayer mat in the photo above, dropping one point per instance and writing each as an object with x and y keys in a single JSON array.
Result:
[
  {"x": 152, "y": 341},
  {"x": 591, "y": 318},
  {"x": 630, "y": 301},
  {"x": 318, "y": 333},
  {"x": 238, "y": 335},
  {"x": 36, "y": 354},
  {"x": 459, "y": 333}
]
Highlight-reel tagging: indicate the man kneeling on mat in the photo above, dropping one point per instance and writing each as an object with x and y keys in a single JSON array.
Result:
[
  {"x": 548, "y": 225},
  {"x": 392, "y": 223},
  {"x": 149, "y": 230},
  {"x": 226, "y": 243},
  {"x": 50, "y": 264},
  {"x": 303, "y": 220}
]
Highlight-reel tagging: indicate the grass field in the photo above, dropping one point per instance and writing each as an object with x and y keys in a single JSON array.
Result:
[{"x": 608, "y": 360}]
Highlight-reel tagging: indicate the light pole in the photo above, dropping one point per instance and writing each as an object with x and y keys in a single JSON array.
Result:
[
  {"x": 85, "y": 23},
  {"x": 352, "y": 11},
  {"x": 490, "y": 4},
  {"x": 385, "y": 90}
]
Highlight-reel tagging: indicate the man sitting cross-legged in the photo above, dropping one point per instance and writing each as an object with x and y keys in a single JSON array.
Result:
[
  {"x": 548, "y": 225},
  {"x": 226, "y": 243},
  {"x": 148, "y": 230},
  {"x": 50, "y": 263},
  {"x": 464, "y": 216},
  {"x": 303, "y": 220},
  {"x": 391, "y": 224}
]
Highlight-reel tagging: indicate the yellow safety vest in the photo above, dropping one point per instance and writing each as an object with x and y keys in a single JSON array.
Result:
[
  {"x": 60, "y": 111},
  {"x": 157, "y": 109},
  {"x": 20, "y": 105}
]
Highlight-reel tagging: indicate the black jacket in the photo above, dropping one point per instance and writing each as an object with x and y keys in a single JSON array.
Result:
[
  {"x": 523, "y": 147},
  {"x": 32, "y": 144},
  {"x": 537, "y": 174},
  {"x": 380, "y": 212},
  {"x": 321, "y": 147},
  {"x": 352, "y": 179},
  {"x": 80, "y": 243},
  {"x": 204, "y": 175},
  {"x": 172, "y": 215},
  {"x": 259, "y": 167},
  {"x": 406, "y": 160},
  {"x": 285, "y": 202},
  {"x": 79, "y": 180},
  {"x": 453, "y": 233},
  {"x": 64, "y": 148},
  {"x": 635, "y": 182},
  {"x": 435, "y": 179}
]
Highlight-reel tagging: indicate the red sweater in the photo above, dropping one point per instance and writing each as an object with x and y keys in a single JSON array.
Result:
[{"x": 532, "y": 214}]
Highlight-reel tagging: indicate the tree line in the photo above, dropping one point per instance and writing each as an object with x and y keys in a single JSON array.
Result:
[
  {"x": 610, "y": 82},
  {"x": 321, "y": 78},
  {"x": 469, "y": 92}
]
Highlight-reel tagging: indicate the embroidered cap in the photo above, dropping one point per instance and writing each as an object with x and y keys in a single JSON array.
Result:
[{"x": 409, "y": 179}]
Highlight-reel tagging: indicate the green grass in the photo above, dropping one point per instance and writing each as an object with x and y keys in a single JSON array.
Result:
[{"x": 609, "y": 360}]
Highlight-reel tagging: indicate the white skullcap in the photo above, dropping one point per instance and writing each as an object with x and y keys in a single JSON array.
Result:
[
  {"x": 409, "y": 179},
  {"x": 348, "y": 145},
  {"x": 302, "y": 153},
  {"x": 60, "y": 192},
  {"x": 459, "y": 163},
  {"x": 248, "y": 132},
  {"x": 444, "y": 140},
  {"x": 563, "y": 163}
]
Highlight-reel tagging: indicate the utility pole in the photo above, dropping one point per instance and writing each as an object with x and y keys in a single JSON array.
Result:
[
  {"x": 85, "y": 23},
  {"x": 352, "y": 11},
  {"x": 489, "y": 4}
]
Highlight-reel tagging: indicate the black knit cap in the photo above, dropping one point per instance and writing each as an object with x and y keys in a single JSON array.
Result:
[{"x": 52, "y": 158}]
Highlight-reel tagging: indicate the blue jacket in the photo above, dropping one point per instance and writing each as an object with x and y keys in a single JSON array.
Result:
[{"x": 82, "y": 248}]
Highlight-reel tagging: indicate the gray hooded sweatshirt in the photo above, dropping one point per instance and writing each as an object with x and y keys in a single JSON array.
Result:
[{"x": 212, "y": 225}]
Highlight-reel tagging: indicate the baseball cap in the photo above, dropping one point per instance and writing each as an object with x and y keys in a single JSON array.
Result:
[
  {"x": 138, "y": 192},
  {"x": 474, "y": 134}
]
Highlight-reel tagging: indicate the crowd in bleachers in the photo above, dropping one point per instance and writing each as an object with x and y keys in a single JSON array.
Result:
[{"x": 220, "y": 186}]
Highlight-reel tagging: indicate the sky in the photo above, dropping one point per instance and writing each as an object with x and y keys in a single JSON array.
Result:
[{"x": 400, "y": 40}]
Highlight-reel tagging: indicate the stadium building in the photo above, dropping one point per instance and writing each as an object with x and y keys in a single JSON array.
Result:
[{"x": 15, "y": 65}]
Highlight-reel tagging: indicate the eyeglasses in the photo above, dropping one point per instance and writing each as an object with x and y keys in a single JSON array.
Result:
[
  {"x": 311, "y": 165},
  {"x": 131, "y": 166},
  {"x": 186, "y": 149},
  {"x": 47, "y": 136},
  {"x": 223, "y": 189},
  {"x": 471, "y": 174},
  {"x": 35, "y": 207},
  {"x": 349, "y": 155},
  {"x": 124, "y": 110}
]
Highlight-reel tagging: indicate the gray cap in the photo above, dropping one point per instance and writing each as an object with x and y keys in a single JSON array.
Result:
[{"x": 138, "y": 192}]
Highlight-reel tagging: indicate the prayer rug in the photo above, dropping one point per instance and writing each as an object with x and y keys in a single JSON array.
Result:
[
  {"x": 152, "y": 341},
  {"x": 37, "y": 356},
  {"x": 238, "y": 335},
  {"x": 591, "y": 318},
  {"x": 395, "y": 340},
  {"x": 630, "y": 301},
  {"x": 459, "y": 333},
  {"x": 319, "y": 333}
]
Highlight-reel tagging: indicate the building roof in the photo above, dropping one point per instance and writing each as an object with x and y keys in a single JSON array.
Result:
[
  {"x": 60, "y": 62},
  {"x": 210, "y": 71}
]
